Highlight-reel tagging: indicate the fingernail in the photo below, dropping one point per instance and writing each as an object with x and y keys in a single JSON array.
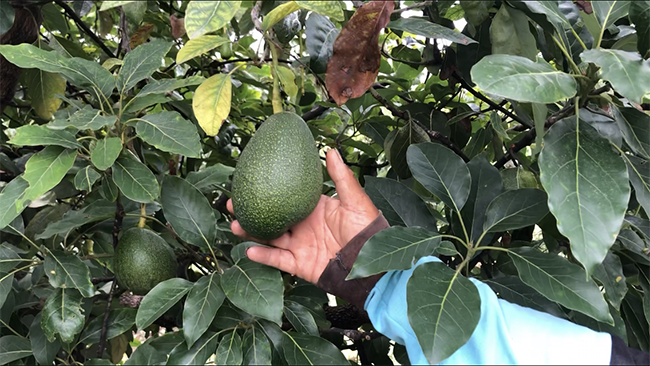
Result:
[{"x": 246, "y": 252}]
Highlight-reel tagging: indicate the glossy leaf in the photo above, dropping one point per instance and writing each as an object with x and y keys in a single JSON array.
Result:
[
  {"x": 189, "y": 212},
  {"x": 486, "y": 185},
  {"x": 515, "y": 209},
  {"x": 331, "y": 9},
  {"x": 45, "y": 169},
  {"x": 106, "y": 152},
  {"x": 203, "y": 301},
  {"x": 145, "y": 354},
  {"x": 120, "y": 320},
  {"x": 396, "y": 147},
  {"x": 211, "y": 102},
  {"x": 441, "y": 172},
  {"x": 170, "y": 132},
  {"x": 321, "y": 34},
  {"x": 278, "y": 13},
  {"x": 399, "y": 204},
  {"x": 640, "y": 16},
  {"x": 635, "y": 126},
  {"x": 632, "y": 242},
  {"x": 211, "y": 177},
  {"x": 134, "y": 179},
  {"x": 141, "y": 63},
  {"x": 513, "y": 290},
  {"x": 83, "y": 119},
  {"x": 85, "y": 178},
  {"x": 639, "y": 172},
  {"x": 443, "y": 309},
  {"x": 256, "y": 348},
  {"x": 610, "y": 275},
  {"x": 628, "y": 73},
  {"x": 229, "y": 351},
  {"x": 96, "y": 211},
  {"x": 520, "y": 79},
  {"x": 560, "y": 281},
  {"x": 167, "y": 85},
  {"x": 198, "y": 46},
  {"x": 609, "y": 12},
  {"x": 68, "y": 271},
  {"x": 588, "y": 188},
  {"x": 13, "y": 348},
  {"x": 510, "y": 34},
  {"x": 302, "y": 349},
  {"x": 198, "y": 354},
  {"x": 203, "y": 17},
  {"x": 43, "y": 88},
  {"x": 422, "y": 27},
  {"x": 12, "y": 201},
  {"x": 300, "y": 318},
  {"x": 160, "y": 299},
  {"x": 62, "y": 315},
  {"x": 395, "y": 248},
  {"x": 254, "y": 288},
  {"x": 44, "y": 350}
]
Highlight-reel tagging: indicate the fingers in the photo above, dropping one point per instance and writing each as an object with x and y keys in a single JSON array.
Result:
[
  {"x": 229, "y": 206},
  {"x": 347, "y": 187},
  {"x": 274, "y": 257},
  {"x": 237, "y": 230}
]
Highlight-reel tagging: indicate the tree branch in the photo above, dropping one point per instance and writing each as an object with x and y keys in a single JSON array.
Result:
[
  {"x": 117, "y": 222},
  {"x": 83, "y": 26},
  {"x": 102, "y": 337},
  {"x": 414, "y": 6}
]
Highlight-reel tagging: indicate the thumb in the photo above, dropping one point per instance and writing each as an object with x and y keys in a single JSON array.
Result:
[{"x": 347, "y": 187}]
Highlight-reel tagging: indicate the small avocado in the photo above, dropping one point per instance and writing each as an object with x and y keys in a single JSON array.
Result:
[
  {"x": 278, "y": 179},
  {"x": 142, "y": 260}
]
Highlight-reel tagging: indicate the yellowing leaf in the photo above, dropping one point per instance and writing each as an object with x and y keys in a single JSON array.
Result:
[
  {"x": 211, "y": 103},
  {"x": 278, "y": 13},
  {"x": 203, "y": 17},
  {"x": 198, "y": 46},
  {"x": 42, "y": 87},
  {"x": 331, "y": 9},
  {"x": 288, "y": 81}
]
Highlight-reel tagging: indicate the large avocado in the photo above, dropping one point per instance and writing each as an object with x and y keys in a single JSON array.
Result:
[
  {"x": 142, "y": 260},
  {"x": 278, "y": 179}
]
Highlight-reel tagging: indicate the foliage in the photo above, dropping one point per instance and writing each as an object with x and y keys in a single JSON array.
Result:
[{"x": 516, "y": 149}]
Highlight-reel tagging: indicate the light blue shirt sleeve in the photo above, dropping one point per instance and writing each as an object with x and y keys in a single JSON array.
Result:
[{"x": 506, "y": 333}]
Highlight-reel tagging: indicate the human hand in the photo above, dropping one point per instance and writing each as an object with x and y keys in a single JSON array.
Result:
[{"x": 305, "y": 250}]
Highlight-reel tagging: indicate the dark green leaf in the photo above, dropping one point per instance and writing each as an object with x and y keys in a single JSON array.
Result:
[
  {"x": 6, "y": 16},
  {"x": 34, "y": 135},
  {"x": 636, "y": 324},
  {"x": 134, "y": 179},
  {"x": 320, "y": 36},
  {"x": 145, "y": 354},
  {"x": 618, "y": 329},
  {"x": 229, "y": 351},
  {"x": 635, "y": 126},
  {"x": 610, "y": 275},
  {"x": 639, "y": 172},
  {"x": 443, "y": 309},
  {"x": 302, "y": 349},
  {"x": 515, "y": 209},
  {"x": 44, "y": 350},
  {"x": 423, "y": 27},
  {"x": 476, "y": 11},
  {"x": 6, "y": 284},
  {"x": 441, "y": 172},
  {"x": 108, "y": 189},
  {"x": 256, "y": 347},
  {"x": 640, "y": 224},
  {"x": 96, "y": 211},
  {"x": 13, "y": 348},
  {"x": 210, "y": 178},
  {"x": 198, "y": 354},
  {"x": 511, "y": 34},
  {"x": 62, "y": 315},
  {"x": 68, "y": 271},
  {"x": 45, "y": 169},
  {"x": 513, "y": 290},
  {"x": 203, "y": 301},
  {"x": 160, "y": 299},
  {"x": 395, "y": 248},
  {"x": 189, "y": 212},
  {"x": 85, "y": 178},
  {"x": 9, "y": 257},
  {"x": 486, "y": 185},
  {"x": 396, "y": 146},
  {"x": 170, "y": 132},
  {"x": 203, "y": 17},
  {"x": 83, "y": 119},
  {"x": 627, "y": 71},
  {"x": 254, "y": 288},
  {"x": 300, "y": 318},
  {"x": 561, "y": 281},
  {"x": 119, "y": 321},
  {"x": 640, "y": 16},
  {"x": 12, "y": 201},
  {"x": 609, "y": 12},
  {"x": 167, "y": 85},
  {"x": 106, "y": 152},
  {"x": 141, "y": 63},
  {"x": 632, "y": 242}
]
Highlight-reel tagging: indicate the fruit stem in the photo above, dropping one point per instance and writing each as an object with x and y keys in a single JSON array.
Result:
[
  {"x": 277, "y": 100},
  {"x": 143, "y": 214}
]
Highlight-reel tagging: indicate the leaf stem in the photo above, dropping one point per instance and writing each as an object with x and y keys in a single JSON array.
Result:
[
  {"x": 143, "y": 215},
  {"x": 575, "y": 67},
  {"x": 38, "y": 249}
]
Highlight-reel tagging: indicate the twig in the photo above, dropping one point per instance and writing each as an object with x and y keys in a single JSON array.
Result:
[
  {"x": 354, "y": 334},
  {"x": 255, "y": 16},
  {"x": 314, "y": 112},
  {"x": 117, "y": 222},
  {"x": 102, "y": 337},
  {"x": 83, "y": 26},
  {"x": 414, "y": 6},
  {"x": 435, "y": 135},
  {"x": 601, "y": 90},
  {"x": 102, "y": 279}
]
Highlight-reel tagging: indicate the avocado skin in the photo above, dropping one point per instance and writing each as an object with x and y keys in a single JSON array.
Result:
[
  {"x": 142, "y": 260},
  {"x": 278, "y": 179}
]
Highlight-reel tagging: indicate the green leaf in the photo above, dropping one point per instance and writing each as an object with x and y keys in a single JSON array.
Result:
[
  {"x": 160, "y": 299},
  {"x": 560, "y": 281},
  {"x": 303, "y": 349},
  {"x": 520, "y": 79},
  {"x": 628, "y": 73},
  {"x": 96, "y": 211},
  {"x": 486, "y": 185},
  {"x": 62, "y": 315},
  {"x": 167, "y": 85},
  {"x": 610, "y": 275},
  {"x": 211, "y": 102},
  {"x": 203, "y": 17},
  {"x": 203, "y": 301},
  {"x": 9, "y": 257},
  {"x": 189, "y": 212},
  {"x": 119, "y": 321},
  {"x": 42, "y": 88},
  {"x": 399, "y": 205},
  {"x": 300, "y": 318},
  {"x": 106, "y": 152},
  {"x": 618, "y": 329},
  {"x": 86, "y": 118},
  {"x": 256, "y": 347},
  {"x": 141, "y": 63},
  {"x": 44, "y": 350},
  {"x": 395, "y": 248},
  {"x": 6, "y": 16},
  {"x": 14, "y": 348},
  {"x": 609, "y": 12},
  {"x": 45, "y": 169},
  {"x": 108, "y": 189},
  {"x": 511, "y": 34},
  {"x": 6, "y": 285},
  {"x": 588, "y": 188},
  {"x": 476, "y": 11},
  {"x": 639, "y": 172},
  {"x": 210, "y": 178},
  {"x": 198, "y": 354},
  {"x": 85, "y": 178},
  {"x": 632, "y": 242},
  {"x": 443, "y": 309},
  {"x": 321, "y": 34},
  {"x": 512, "y": 289},
  {"x": 396, "y": 146},
  {"x": 229, "y": 351},
  {"x": 254, "y": 288},
  {"x": 425, "y": 28},
  {"x": 515, "y": 209},
  {"x": 12, "y": 201},
  {"x": 34, "y": 135},
  {"x": 278, "y": 13},
  {"x": 441, "y": 172},
  {"x": 170, "y": 132},
  {"x": 640, "y": 16},
  {"x": 113, "y": 4},
  {"x": 134, "y": 179},
  {"x": 198, "y": 46},
  {"x": 145, "y": 354},
  {"x": 635, "y": 126},
  {"x": 331, "y": 9},
  {"x": 68, "y": 271}
]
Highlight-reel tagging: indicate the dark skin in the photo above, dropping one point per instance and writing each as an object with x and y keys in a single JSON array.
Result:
[{"x": 308, "y": 247}]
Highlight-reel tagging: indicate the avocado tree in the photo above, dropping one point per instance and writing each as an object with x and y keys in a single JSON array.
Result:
[{"x": 511, "y": 139}]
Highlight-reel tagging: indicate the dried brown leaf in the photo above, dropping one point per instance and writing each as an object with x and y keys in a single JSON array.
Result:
[
  {"x": 141, "y": 35},
  {"x": 354, "y": 64},
  {"x": 178, "y": 26}
]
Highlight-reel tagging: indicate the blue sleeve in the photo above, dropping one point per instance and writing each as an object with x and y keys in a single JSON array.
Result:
[{"x": 506, "y": 333}]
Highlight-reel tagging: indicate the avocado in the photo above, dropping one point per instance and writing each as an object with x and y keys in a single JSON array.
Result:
[
  {"x": 142, "y": 260},
  {"x": 278, "y": 179}
]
